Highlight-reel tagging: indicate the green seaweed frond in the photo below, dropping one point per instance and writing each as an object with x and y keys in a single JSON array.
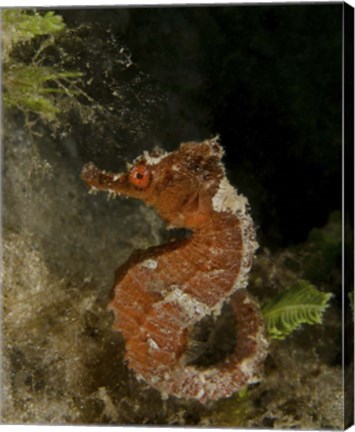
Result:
[
  {"x": 29, "y": 23},
  {"x": 302, "y": 303},
  {"x": 28, "y": 88},
  {"x": 23, "y": 25},
  {"x": 32, "y": 87}
]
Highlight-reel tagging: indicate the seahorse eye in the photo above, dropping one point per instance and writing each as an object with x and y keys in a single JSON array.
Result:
[{"x": 140, "y": 176}]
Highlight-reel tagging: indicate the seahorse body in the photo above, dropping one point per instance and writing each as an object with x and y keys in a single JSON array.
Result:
[{"x": 162, "y": 292}]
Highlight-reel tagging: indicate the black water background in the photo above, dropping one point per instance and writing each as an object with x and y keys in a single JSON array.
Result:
[{"x": 267, "y": 79}]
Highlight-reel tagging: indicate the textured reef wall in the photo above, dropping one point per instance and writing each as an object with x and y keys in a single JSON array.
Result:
[{"x": 61, "y": 361}]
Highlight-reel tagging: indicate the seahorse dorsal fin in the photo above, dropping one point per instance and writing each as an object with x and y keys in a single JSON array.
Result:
[{"x": 216, "y": 148}]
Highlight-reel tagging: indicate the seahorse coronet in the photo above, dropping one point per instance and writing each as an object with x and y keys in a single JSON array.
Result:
[{"x": 162, "y": 292}]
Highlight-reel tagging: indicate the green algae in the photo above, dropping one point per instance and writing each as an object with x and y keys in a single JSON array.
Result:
[
  {"x": 301, "y": 303},
  {"x": 32, "y": 87}
]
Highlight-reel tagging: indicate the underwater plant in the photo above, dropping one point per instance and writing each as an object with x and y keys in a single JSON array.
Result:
[
  {"x": 32, "y": 86},
  {"x": 299, "y": 304}
]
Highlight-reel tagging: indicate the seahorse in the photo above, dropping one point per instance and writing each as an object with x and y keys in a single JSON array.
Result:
[{"x": 160, "y": 293}]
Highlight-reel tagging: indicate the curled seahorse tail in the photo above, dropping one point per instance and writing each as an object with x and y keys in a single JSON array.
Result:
[{"x": 241, "y": 368}]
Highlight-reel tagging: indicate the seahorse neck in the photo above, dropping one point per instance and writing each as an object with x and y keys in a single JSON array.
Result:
[
  {"x": 219, "y": 226},
  {"x": 217, "y": 245}
]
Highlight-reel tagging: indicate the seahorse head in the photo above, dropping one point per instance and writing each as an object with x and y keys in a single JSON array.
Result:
[{"x": 180, "y": 185}]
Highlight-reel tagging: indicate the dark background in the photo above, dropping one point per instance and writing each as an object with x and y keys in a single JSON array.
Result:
[{"x": 267, "y": 79}]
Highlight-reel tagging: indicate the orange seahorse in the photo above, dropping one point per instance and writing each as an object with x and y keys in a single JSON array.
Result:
[{"x": 163, "y": 291}]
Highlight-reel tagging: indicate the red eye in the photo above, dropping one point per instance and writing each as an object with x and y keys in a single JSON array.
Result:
[{"x": 140, "y": 176}]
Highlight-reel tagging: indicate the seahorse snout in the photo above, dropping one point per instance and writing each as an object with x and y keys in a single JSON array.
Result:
[{"x": 103, "y": 180}]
